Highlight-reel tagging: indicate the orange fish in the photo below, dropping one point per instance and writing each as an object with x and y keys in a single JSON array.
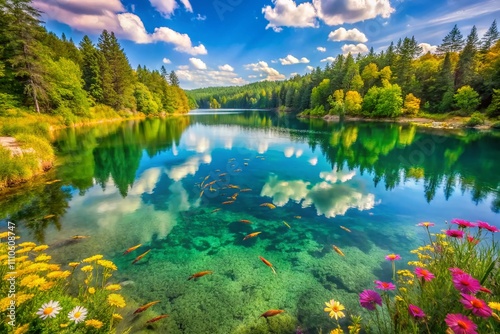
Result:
[
  {"x": 155, "y": 319},
  {"x": 200, "y": 274},
  {"x": 335, "y": 248},
  {"x": 209, "y": 184},
  {"x": 228, "y": 202},
  {"x": 132, "y": 249},
  {"x": 49, "y": 216},
  {"x": 251, "y": 235},
  {"x": 267, "y": 264},
  {"x": 269, "y": 205},
  {"x": 345, "y": 228},
  {"x": 141, "y": 256},
  {"x": 245, "y": 221},
  {"x": 271, "y": 313},
  {"x": 145, "y": 307},
  {"x": 215, "y": 210},
  {"x": 245, "y": 190},
  {"x": 232, "y": 186},
  {"x": 234, "y": 196}
]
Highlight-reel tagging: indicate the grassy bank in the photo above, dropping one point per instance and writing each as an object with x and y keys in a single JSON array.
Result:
[{"x": 31, "y": 152}]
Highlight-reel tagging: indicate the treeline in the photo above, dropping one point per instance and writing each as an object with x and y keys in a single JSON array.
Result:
[
  {"x": 52, "y": 75},
  {"x": 463, "y": 76}
]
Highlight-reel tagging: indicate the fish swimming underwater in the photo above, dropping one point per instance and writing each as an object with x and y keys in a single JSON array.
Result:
[
  {"x": 286, "y": 224},
  {"x": 133, "y": 248},
  {"x": 336, "y": 249},
  {"x": 269, "y": 264},
  {"x": 345, "y": 228},
  {"x": 137, "y": 259},
  {"x": 251, "y": 235},
  {"x": 245, "y": 221},
  {"x": 145, "y": 307},
  {"x": 200, "y": 274},
  {"x": 269, "y": 205},
  {"x": 155, "y": 319},
  {"x": 271, "y": 313}
]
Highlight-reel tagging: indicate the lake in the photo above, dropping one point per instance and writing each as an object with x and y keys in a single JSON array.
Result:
[{"x": 191, "y": 188}]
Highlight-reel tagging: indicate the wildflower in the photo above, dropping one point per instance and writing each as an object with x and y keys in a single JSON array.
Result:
[
  {"x": 49, "y": 310},
  {"x": 91, "y": 290},
  {"x": 405, "y": 273},
  {"x": 93, "y": 258},
  {"x": 24, "y": 250},
  {"x": 40, "y": 248},
  {"x": 78, "y": 314},
  {"x": 74, "y": 264},
  {"x": 86, "y": 269},
  {"x": 384, "y": 285},
  {"x": 337, "y": 331},
  {"x": 369, "y": 298},
  {"x": 460, "y": 324},
  {"x": 335, "y": 309},
  {"x": 116, "y": 300},
  {"x": 426, "y": 224},
  {"x": 64, "y": 325},
  {"x": 416, "y": 263},
  {"x": 21, "y": 298},
  {"x": 494, "y": 305},
  {"x": 462, "y": 223},
  {"x": 22, "y": 329},
  {"x": 27, "y": 244},
  {"x": 424, "y": 274},
  {"x": 46, "y": 286},
  {"x": 487, "y": 226},
  {"x": 58, "y": 274},
  {"x": 32, "y": 281},
  {"x": 466, "y": 283},
  {"x": 478, "y": 306},
  {"x": 393, "y": 257},
  {"x": 455, "y": 233},
  {"x": 4, "y": 235},
  {"x": 113, "y": 287},
  {"x": 415, "y": 311},
  {"x": 472, "y": 240},
  {"x": 93, "y": 323},
  {"x": 53, "y": 267},
  {"x": 456, "y": 271},
  {"x": 107, "y": 264},
  {"x": 43, "y": 258},
  {"x": 117, "y": 316},
  {"x": 399, "y": 299},
  {"x": 485, "y": 290}
]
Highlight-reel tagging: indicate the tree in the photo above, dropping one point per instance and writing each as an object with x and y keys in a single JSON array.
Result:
[
  {"x": 467, "y": 99},
  {"x": 383, "y": 102},
  {"x": 336, "y": 101},
  {"x": 370, "y": 74},
  {"x": 490, "y": 37},
  {"x": 453, "y": 42},
  {"x": 411, "y": 104},
  {"x": 406, "y": 50},
  {"x": 319, "y": 95},
  {"x": 214, "y": 104},
  {"x": 173, "y": 79},
  {"x": 91, "y": 72},
  {"x": 353, "y": 103},
  {"x": 444, "y": 85},
  {"x": 494, "y": 107},
  {"x": 464, "y": 74}
]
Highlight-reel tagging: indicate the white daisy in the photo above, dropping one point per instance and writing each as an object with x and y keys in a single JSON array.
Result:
[
  {"x": 78, "y": 314},
  {"x": 49, "y": 310}
]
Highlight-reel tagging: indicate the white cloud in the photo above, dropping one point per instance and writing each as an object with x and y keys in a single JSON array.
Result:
[
  {"x": 93, "y": 16},
  {"x": 200, "y": 17},
  {"x": 335, "y": 12},
  {"x": 166, "y": 61},
  {"x": 189, "y": 167},
  {"x": 290, "y": 60},
  {"x": 263, "y": 68},
  {"x": 286, "y": 13},
  {"x": 354, "y": 49},
  {"x": 205, "y": 78},
  {"x": 293, "y": 74},
  {"x": 321, "y": 49},
  {"x": 342, "y": 34},
  {"x": 226, "y": 67},
  {"x": 198, "y": 63},
  {"x": 426, "y": 47},
  {"x": 167, "y": 7},
  {"x": 313, "y": 161},
  {"x": 309, "y": 68},
  {"x": 328, "y": 59},
  {"x": 183, "y": 67}
]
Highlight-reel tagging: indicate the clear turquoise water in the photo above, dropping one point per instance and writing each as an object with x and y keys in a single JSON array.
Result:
[{"x": 141, "y": 182}]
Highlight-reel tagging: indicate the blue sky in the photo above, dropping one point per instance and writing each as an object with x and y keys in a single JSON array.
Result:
[{"x": 234, "y": 42}]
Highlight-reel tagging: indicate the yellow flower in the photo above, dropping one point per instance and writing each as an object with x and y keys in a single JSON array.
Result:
[
  {"x": 403, "y": 290},
  {"x": 424, "y": 257},
  {"x": 416, "y": 264},
  {"x": 337, "y": 331},
  {"x": 86, "y": 269},
  {"x": 22, "y": 329},
  {"x": 494, "y": 306},
  {"x": 27, "y": 244},
  {"x": 93, "y": 258},
  {"x": 43, "y": 258},
  {"x": 495, "y": 316},
  {"x": 4, "y": 257},
  {"x": 116, "y": 300},
  {"x": 354, "y": 329},
  {"x": 4, "y": 303},
  {"x": 399, "y": 298},
  {"x": 116, "y": 316},
  {"x": 21, "y": 298},
  {"x": 91, "y": 290},
  {"x": 46, "y": 286},
  {"x": 40, "y": 248},
  {"x": 29, "y": 279},
  {"x": 4, "y": 235},
  {"x": 24, "y": 250},
  {"x": 93, "y": 323},
  {"x": 54, "y": 267},
  {"x": 64, "y": 325},
  {"x": 335, "y": 309},
  {"x": 113, "y": 287},
  {"x": 58, "y": 274},
  {"x": 74, "y": 264},
  {"x": 21, "y": 258},
  {"x": 405, "y": 273},
  {"x": 107, "y": 264}
]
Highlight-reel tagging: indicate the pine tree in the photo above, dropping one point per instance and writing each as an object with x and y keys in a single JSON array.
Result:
[
  {"x": 453, "y": 42},
  {"x": 466, "y": 62},
  {"x": 406, "y": 50},
  {"x": 490, "y": 37},
  {"x": 91, "y": 71},
  {"x": 173, "y": 79},
  {"x": 444, "y": 85}
]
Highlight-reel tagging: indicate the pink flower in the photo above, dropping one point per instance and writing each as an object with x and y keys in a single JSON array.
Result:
[
  {"x": 456, "y": 271},
  {"x": 485, "y": 290},
  {"x": 415, "y": 311},
  {"x": 369, "y": 298},
  {"x": 460, "y": 324},
  {"x": 466, "y": 283},
  {"x": 393, "y": 257},
  {"x": 385, "y": 285},
  {"x": 426, "y": 224},
  {"x": 472, "y": 240},
  {"x": 462, "y": 223},
  {"x": 424, "y": 273},
  {"x": 455, "y": 233},
  {"x": 478, "y": 306},
  {"x": 487, "y": 226}
]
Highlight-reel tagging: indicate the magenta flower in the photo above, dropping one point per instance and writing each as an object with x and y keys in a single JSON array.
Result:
[
  {"x": 487, "y": 226},
  {"x": 456, "y": 271},
  {"x": 426, "y": 224},
  {"x": 460, "y": 324},
  {"x": 393, "y": 257},
  {"x": 424, "y": 274},
  {"x": 455, "y": 233},
  {"x": 369, "y": 298},
  {"x": 478, "y": 306},
  {"x": 463, "y": 223},
  {"x": 466, "y": 283},
  {"x": 486, "y": 290},
  {"x": 384, "y": 285},
  {"x": 415, "y": 311}
]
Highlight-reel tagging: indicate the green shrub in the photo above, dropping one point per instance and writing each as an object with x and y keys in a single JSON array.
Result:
[
  {"x": 476, "y": 119},
  {"x": 496, "y": 125}
]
